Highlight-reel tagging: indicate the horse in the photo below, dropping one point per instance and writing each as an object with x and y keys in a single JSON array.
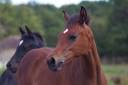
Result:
[
  {"x": 29, "y": 40},
  {"x": 74, "y": 60}
]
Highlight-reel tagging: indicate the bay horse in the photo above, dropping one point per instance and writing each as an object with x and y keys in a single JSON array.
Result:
[
  {"x": 29, "y": 40},
  {"x": 74, "y": 60}
]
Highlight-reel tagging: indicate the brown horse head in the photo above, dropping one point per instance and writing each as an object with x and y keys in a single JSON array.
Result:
[{"x": 74, "y": 41}]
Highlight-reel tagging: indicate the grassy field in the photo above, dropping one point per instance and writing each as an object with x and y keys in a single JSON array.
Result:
[{"x": 116, "y": 74}]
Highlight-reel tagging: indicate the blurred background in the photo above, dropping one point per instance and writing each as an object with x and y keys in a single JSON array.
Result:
[{"x": 109, "y": 22}]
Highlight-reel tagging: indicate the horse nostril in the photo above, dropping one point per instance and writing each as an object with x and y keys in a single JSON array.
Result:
[
  {"x": 8, "y": 65},
  {"x": 51, "y": 62}
]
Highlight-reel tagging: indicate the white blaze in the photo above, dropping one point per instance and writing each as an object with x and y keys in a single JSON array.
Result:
[
  {"x": 21, "y": 42},
  {"x": 65, "y": 31}
]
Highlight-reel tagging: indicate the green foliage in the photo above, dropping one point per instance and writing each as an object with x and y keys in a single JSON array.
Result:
[
  {"x": 118, "y": 28},
  {"x": 107, "y": 19},
  {"x": 12, "y": 17},
  {"x": 51, "y": 20},
  {"x": 117, "y": 71}
]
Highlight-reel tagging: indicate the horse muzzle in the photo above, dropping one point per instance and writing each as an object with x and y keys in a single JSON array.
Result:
[
  {"x": 55, "y": 63},
  {"x": 11, "y": 68}
]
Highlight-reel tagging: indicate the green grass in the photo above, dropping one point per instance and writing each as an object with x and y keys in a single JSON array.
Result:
[
  {"x": 120, "y": 71},
  {"x": 116, "y": 70}
]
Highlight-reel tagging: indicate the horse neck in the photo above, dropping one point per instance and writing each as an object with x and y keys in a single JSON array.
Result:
[
  {"x": 80, "y": 71},
  {"x": 100, "y": 78}
]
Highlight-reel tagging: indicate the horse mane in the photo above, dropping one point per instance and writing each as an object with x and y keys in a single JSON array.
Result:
[
  {"x": 38, "y": 35},
  {"x": 76, "y": 19}
]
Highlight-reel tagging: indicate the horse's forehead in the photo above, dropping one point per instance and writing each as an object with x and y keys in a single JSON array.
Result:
[{"x": 65, "y": 31}]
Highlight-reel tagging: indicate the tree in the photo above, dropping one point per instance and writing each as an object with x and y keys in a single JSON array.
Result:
[{"x": 118, "y": 28}]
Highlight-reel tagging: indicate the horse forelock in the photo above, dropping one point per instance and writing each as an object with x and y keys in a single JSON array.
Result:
[
  {"x": 38, "y": 35},
  {"x": 75, "y": 19},
  {"x": 72, "y": 20},
  {"x": 74, "y": 26}
]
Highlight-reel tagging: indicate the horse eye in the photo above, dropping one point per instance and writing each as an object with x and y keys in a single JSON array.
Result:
[{"x": 72, "y": 37}]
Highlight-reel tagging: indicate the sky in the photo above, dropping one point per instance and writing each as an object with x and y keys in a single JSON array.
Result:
[{"x": 57, "y": 3}]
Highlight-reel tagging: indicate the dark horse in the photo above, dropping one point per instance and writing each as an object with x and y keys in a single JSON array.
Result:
[
  {"x": 74, "y": 61},
  {"x": 29, "y": 40}
]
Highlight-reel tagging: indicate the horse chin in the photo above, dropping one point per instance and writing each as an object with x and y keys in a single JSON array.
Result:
[
  {"x": 54, "y": 68},
  {"x": 59, "y": 66}
]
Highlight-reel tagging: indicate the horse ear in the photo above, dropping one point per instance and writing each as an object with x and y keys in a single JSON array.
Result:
[
  {"x": 21, "y": 31},
  {"x": 27, "y": 29},
  {"x": 84, "y": 16},
  {"x": 66, "y": 15}
]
